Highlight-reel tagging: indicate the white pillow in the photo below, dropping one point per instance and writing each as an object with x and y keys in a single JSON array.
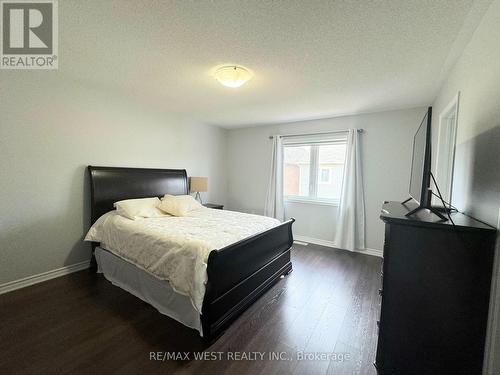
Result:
[
  {"x": 178, "y": 205},
  {"x": 138, "y": 208}
]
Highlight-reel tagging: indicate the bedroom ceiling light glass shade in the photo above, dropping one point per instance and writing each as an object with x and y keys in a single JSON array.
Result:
[{"x": 232, "y": 75}]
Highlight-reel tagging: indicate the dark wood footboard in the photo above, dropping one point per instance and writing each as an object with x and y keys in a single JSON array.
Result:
[{"x": 238, "y": 274}]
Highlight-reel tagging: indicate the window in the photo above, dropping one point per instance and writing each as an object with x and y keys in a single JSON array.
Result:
[
  {"x": 324, "y": 176},
  {"x": 313, "y": 172}
]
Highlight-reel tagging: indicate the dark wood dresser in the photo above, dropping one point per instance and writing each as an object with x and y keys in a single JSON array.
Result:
[{"x": 435, "y": 294}]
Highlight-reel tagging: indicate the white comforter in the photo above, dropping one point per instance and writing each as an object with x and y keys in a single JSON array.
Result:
[{"x": 176, "y": 248}]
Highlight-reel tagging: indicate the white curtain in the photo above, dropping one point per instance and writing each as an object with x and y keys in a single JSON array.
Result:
[
  {"x": 274, "y": 200},
  {"x": 350, "y": 229}
]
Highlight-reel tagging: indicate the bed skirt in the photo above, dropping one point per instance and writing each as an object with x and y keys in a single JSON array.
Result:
[{"x": 158, "y": 293}]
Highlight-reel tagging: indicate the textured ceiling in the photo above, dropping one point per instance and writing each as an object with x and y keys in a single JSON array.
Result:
[{"x": 311, "y": 59}]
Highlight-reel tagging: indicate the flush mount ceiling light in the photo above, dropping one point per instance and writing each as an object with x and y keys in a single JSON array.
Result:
[{"x": 232, "y": 75}]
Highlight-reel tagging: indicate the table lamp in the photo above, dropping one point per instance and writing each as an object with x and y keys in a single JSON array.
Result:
[{"x": 198, "y": 184}]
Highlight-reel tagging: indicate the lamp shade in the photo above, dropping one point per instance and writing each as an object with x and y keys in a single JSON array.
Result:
[{"x": 198, "y": 184}]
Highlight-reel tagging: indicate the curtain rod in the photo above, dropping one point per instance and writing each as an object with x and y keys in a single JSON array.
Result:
[{"x": 305, "y": 134}]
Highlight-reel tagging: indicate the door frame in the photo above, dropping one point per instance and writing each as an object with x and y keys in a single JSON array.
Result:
[{"x": 451, "y": 133}]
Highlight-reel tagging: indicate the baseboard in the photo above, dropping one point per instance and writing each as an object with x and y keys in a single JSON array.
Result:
[
  {"x": 300, "y": 243},
  {"x": 35, "y": 279},
  {"x": 316, "y": 241}
]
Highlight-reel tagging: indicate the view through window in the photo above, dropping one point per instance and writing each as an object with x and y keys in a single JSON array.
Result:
[{"x": 314, "y": 171}]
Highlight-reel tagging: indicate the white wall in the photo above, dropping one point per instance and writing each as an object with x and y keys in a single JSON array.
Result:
[
  {"x": 51, "y": 128},
  {"x": 476, "y": 185},
  {"x": 386, "y": 147},
  {"x": 312, "y": 220}
]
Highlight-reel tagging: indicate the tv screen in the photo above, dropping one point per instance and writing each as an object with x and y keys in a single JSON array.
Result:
[{"x": 420, "y": 165}]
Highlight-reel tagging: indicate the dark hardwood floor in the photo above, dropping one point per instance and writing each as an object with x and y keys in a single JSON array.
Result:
[{"x": 80, "y": 323}]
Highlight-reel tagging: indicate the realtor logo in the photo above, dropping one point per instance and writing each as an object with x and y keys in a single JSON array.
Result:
[{"x": 29, "y": 34}]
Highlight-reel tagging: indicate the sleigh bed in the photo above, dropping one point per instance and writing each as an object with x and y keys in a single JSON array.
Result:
[{"x": 237, "y": 274}]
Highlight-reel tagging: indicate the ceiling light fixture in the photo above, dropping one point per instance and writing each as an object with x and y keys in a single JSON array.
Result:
[{"x": 232, "y": 75}]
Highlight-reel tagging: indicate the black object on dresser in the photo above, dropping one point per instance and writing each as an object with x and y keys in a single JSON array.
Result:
[
  {"x": 214, "y": 206},
  {"x": 435, "y": 292}
]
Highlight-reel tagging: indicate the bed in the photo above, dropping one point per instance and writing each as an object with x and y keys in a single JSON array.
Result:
[{"x": 236, "y": 273}]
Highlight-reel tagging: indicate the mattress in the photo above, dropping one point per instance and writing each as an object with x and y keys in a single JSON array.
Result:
[{"x": 176, "y": 248}]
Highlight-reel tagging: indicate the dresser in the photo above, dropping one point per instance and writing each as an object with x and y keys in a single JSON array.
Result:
[{"x": 435, "y": 290}]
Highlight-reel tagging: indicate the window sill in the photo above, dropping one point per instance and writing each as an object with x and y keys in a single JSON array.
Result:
[{"x": 312, "y": 201}]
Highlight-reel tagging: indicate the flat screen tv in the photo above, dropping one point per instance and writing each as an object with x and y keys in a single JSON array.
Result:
[{"x": 420, "y": 177}]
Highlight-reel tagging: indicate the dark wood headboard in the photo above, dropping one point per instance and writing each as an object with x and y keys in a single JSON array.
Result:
[{"x": 111, "y": 184}]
